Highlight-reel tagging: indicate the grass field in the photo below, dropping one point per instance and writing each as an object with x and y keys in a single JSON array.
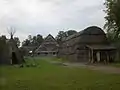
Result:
[{"x": 55, "y": 77}]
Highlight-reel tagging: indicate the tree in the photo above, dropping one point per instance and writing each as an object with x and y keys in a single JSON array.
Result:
[
  {"x": 39, "y": 39},
  {"x": 11, "y": 31},
  {"x": 33, "y": 40},
  {"x": 113, "y": 23},
  {"x": 62, "y": 35},
  {"x": 113, "y": 17},
  {"x": 26, "y": 42},
  {"x": 29, "y": 37},
  {"x": 17, "y": 41},
  {"x": 70, "y": 32}
]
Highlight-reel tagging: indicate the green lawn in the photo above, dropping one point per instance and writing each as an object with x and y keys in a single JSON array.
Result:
[{"x": 55, "y": 77}]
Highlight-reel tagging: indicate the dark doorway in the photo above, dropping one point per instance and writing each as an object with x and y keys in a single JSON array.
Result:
[
  {"x": 38, "y": 53},
  {"x": 14, "y": 58}
]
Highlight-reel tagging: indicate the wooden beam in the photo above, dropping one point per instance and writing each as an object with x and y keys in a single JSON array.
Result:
[
  {"x": 92, "y": 56},
  {"x": 89, "y": 55}
]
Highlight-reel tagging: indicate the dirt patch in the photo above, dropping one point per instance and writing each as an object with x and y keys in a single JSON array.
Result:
[
  {"x": 107, "y": 69},
  {"x": 100, "y": 67},
  {"x": 103, "y": 68},
  {"x": 58, "y": 63}
]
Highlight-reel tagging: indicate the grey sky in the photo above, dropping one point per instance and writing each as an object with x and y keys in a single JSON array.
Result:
[{"x": 49, "y": 16}]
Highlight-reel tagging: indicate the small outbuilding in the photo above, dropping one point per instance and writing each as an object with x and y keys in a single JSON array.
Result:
[{"x": 49, "y": 47}]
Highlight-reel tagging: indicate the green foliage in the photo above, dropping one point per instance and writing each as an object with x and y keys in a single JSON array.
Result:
[
  {"x": 26, "y": 42},
  {"x": 70, "y": 32},
  {"x": 113, "y": 17},
  {"x": 113, "y": 23},
  {"x": 62, "y": 35},
  {"x": 39, "y": 39},
  {"x": 17, "y": 41},
  {"x": 54, "y": 77},
  {"x": 33, "y": 41}
]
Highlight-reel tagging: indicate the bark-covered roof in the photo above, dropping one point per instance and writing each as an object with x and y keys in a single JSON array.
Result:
[{"x": 93, "y": 30}]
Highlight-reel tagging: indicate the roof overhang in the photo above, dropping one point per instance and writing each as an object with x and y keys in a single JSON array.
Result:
[
  {"x": 45, "y": 51},
  {"x": 101, "y": 47}
]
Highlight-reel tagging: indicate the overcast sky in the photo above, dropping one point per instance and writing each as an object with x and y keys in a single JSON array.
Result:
[{"x": 49, "y": 16}]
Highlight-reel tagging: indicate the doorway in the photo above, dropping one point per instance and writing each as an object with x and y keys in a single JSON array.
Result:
[{"x": 14, "y": 58}]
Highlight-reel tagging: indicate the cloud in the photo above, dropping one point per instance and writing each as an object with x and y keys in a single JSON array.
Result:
[{"x": 49, "y": 16}]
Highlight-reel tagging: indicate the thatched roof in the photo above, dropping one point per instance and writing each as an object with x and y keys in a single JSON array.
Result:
[
  {"x": 49, "y": 38},
  {"x": 93, "y": 30},
  {"x": 49, "y": 44}
]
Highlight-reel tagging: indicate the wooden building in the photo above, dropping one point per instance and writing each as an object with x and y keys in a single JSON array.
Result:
[
  {"x": 88, "y": 45},
  {"x": 49, "y": 47}
]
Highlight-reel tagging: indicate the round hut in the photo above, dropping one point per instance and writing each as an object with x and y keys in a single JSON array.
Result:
[
  {"x": 14, "y": 52},
  {"x": 9, "y": 52},
  {"x": 4, "y": 52}
]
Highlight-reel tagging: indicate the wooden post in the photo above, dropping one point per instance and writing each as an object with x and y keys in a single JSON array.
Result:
[
  {"x": 10, "y": 61},
  {"x": 92, "y": 56},
  {"x": 89, "y": 56},
  {"x": 107, "y": 57},
  {"x": 98, "y": 56}
]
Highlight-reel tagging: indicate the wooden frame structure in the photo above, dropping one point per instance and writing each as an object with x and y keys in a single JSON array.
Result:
[{"x": 102, "y": 53}]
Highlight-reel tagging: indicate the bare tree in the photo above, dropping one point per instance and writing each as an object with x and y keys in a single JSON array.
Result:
[{"x": 11, "y": 31}]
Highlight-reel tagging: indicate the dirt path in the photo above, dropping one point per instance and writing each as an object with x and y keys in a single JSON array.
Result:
[{"x": 103, "y": 68}]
